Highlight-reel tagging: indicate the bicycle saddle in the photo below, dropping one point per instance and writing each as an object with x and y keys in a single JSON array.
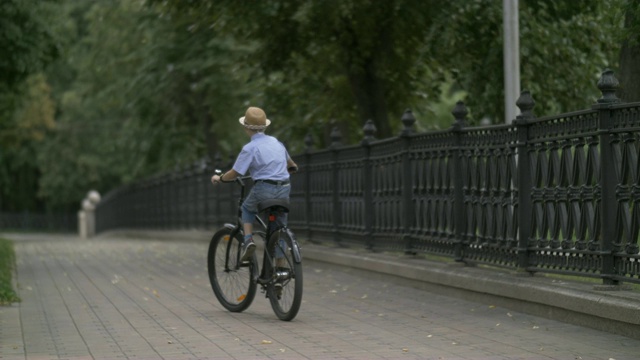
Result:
[{"x": 279, "y": 204}]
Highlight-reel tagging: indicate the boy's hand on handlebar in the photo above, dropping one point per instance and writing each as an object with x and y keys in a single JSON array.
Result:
[{"x": 215, "y": 179}]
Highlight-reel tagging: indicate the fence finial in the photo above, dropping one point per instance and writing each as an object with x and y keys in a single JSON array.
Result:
[
  {"x": 526, "y": 104},
  {"x": 336, "y": 136},
  {"x": 459, "y": 113},
  {"x": 217, "y": 160},
  {"x": 369, "y": 129},
  {"x": 608, "y": 84},
  {"x": 408, "y": 120},
  {"x": 308, "y": 141}
]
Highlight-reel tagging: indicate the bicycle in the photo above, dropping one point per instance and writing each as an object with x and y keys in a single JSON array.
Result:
[{"x": 235, "y": 283}]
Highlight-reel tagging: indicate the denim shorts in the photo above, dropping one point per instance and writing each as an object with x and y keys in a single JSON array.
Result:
[{"x": 262, "y": 191}]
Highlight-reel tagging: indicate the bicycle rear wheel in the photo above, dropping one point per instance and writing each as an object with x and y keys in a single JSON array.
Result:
[
  {"x": 232, "y": 283},
  {"x": 285, "y": 294}
]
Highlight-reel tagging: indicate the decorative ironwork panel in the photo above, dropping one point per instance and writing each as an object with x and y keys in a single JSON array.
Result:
[
  {"x": 626, "y": 149},
  {"x": 297, "y": 209},
  {"x": 565, "y": 164},
  {"x": 350, "y": 189},
  {"x": 431, "y": 159},
  {"x": 321, "y": 189},
  {"x": 489, "y": 170},
  {"x": 386, "y": 177}
]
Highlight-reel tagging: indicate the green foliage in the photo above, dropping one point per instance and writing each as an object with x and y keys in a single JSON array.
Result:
[
  {"x": 324, "y": 61},
  {"x": 563, "y": 48},
  {"x": 141, "y": 87},
  {"x": 149, "y": 92},
  {"x": 25, "y": 39},
  {"x": 26, "y": 110},
  {"x": 7, "y": 266}
]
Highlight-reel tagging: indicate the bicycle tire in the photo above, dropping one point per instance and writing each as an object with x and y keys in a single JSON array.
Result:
[
  {"x": 286, "y": 300},
  {"x": 234, "y": 286}
]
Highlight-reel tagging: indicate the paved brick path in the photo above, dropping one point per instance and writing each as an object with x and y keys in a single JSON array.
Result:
[{"x": 116, "y": 298}]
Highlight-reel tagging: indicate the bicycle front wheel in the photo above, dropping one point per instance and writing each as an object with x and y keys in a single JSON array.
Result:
[
  {"x": 285, "y": 293},
  {"x": 231, "y": 281}
]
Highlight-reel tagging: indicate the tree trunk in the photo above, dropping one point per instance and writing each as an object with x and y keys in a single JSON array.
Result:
[
  {"x": 210, "y": 138},
  {"x": 368, "y": 91},
  {"x": 629, "y": 75}
]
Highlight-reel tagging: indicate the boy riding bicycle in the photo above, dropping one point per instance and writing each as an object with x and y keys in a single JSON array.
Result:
[{"x": 269, "y": 164}]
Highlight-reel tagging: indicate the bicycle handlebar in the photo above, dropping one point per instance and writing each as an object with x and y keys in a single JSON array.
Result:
[{"x": 239, "y": 179}]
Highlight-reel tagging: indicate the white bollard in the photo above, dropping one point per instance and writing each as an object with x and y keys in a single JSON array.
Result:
[
  {"x": 82, "y": 224},
  {"x": 87, "y": 216}
]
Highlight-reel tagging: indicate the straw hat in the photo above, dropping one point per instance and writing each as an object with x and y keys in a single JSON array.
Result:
[{"x": 255, "y": 119}]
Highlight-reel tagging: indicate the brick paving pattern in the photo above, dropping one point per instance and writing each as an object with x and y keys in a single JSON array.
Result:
[{"x": 117, "y": 298}]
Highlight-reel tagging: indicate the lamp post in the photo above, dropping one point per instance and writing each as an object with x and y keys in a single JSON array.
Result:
[{"x": 511, "y": 50}]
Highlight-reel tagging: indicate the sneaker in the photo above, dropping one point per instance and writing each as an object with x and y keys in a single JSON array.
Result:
[{"x": 248, "y": 248}]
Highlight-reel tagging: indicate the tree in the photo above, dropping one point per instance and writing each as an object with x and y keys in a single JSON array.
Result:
[
  {"x": 359, "y": 59},
  {"x": 143, "y": 93},
  {"x": 564, "y": 45},
  {"x": 26, "y": 110},
  {"x": 629, "y": 75}
]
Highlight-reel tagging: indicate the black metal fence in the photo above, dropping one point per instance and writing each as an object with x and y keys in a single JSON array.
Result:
[
  {"x": 29, "y": 221},
  {"x": 556, "y": 194}
]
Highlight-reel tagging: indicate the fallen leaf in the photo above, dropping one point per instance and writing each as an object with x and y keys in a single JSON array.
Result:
[
  {"x": 509, "y": 315},
  {"x": 405, "y": 350},
  {"x": 266, "y": 342},
  {"x": 364, "y": 296},
  {"x": 492, "y": 306},
  {"x": 429, "y": 335}
]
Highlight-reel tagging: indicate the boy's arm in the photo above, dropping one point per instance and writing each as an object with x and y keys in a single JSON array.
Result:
[
  {"x": 226, "y": 177},
  {"x": 291, "y": 166}
]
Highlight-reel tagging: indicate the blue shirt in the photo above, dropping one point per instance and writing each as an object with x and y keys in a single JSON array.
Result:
[{"x": 264, "y": 157}]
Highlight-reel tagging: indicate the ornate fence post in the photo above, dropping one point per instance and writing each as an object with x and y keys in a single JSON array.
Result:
[
  {"x": 460, "y": 220},
  {"x": 217, "y": 162},
  {"x": 336, "y": 139},
  {"x": 308, "y": 142},
  {"x": 367, "y": 183},
  {"x": 203, "y": 179},
  {"x": 408, "y": 214},
  {"x": 608, "y": 181},
  {"x": 524, "y": 183},
  {"x": 175, "y": 197}
]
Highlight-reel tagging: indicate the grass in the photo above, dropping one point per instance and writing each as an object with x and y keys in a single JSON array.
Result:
[{"x": 7, "y": 265}]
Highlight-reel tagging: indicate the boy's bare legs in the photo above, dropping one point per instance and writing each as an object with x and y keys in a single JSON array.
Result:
[
  {"x": 248, "y": 246},
  {"x": 248, "y": 229}
]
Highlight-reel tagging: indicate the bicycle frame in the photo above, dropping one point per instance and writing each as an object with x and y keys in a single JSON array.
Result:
[
  {"x": 280, "y": 278},
  {"x": 269, "y": 231}
]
